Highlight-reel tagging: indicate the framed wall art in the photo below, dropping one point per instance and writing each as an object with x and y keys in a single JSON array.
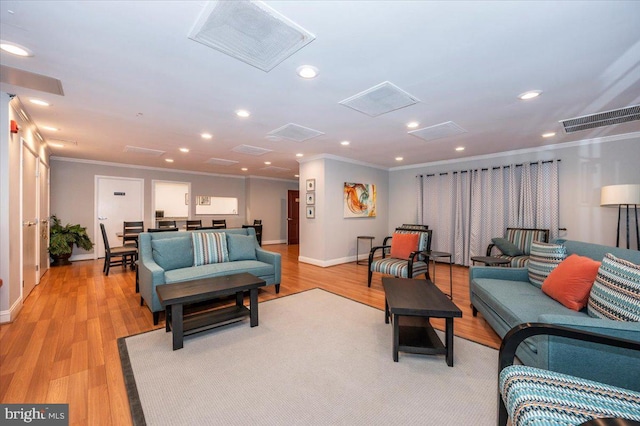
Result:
[
  {"x": 359, "y": 200},
  {"x": 311, "y": 198},
  {"x": 311, "y": 212},
  {"x": 311, "y": 184}
]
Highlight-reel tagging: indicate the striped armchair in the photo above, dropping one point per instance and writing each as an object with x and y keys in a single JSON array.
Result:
[
  {"x": 534, "y": 396},
  {"x": 414, "y": 264},
  {"x": 522, "y": 239}
]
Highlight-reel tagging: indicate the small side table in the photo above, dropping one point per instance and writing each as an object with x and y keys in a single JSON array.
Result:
[
  {"x": 490, "y": 261},
  {"x": 435, "y": 254},
  {"x": 362, "y": 237}
]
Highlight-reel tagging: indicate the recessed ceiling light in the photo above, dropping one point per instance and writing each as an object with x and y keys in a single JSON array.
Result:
[
  {"x": 299, "y": 155},
  {"x": 399, "y": 158},
  {"x": 56, "y": 144},
  {"x": 15, "y": 49},
  {"x": 413, "y": 124},
  {"x": 243, "y": 113},
  {"x": 169, "y": 160},
  {"x": 296, "y": 175},
  {"x": 530, "y": 94},
  {"x": 460, "y": 148},
  {"x": 206, "y": 135},
  {"x": 345, "y": 143},
  {"x": 244, "y": 169},
  {"x": 184, "y": 149},
  {"x": 267, "y": 162},
  {"x": 53, "y": 129},
  {"x": 548, "y": 134},
  {"x": 39, "y": 102},
  {"x": 307, "y": 71}
]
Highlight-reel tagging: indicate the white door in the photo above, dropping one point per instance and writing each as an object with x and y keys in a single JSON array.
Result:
[
  {"x": 43, "y": 247},
  {"x": 117, "y": 200},
  {"x": 29, "y": 220}
]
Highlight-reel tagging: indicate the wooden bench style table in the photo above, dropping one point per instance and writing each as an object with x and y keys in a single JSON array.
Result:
[
  {"x": 412, "y": 302},
  {"x": 175, "y": 296}
]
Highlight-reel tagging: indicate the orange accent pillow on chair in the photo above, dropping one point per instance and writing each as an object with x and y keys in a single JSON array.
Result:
[
  {"x": 570, "y": 282},
  {"x": 402, "y": 245}
]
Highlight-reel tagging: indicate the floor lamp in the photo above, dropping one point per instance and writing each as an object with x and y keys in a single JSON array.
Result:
[{"x": 622, "y": 196}]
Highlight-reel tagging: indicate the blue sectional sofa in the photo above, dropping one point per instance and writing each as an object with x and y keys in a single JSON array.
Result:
[
  {"x": 505, "y": 297},
  {"x": 167, "y": 257}
]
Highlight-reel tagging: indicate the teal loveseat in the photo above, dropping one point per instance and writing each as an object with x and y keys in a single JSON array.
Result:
[
  {"x": 506, "y": 298},
  {"x": 167, "y": 257}
]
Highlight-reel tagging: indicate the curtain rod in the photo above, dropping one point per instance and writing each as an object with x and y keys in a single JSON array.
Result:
[{"x": 493, "y": 168}]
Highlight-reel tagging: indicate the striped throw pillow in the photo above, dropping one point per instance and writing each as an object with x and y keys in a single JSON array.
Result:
[
  {"x": 209, "y": 247},
  {"x": 616, "y": 292},
  {"x": 543, "y": 259}
]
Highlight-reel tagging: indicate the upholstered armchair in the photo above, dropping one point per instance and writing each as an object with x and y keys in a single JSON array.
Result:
[
  {"x": 529, "y": 395},
  {"x": 516, "y": 245},
  {"x": 405, "y": 256}
]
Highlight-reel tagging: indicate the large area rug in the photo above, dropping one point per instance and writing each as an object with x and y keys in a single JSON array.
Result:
[{"x": 315, "y": 359}]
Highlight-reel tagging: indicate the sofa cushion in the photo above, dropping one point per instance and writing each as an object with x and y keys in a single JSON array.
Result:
[
  {"x": 209, "y": 247},
  {"x": 257, "y": 268},
  {"x": 570, "y": 282},
  {"x": 507, "y": 247},
  {"x": 241, "y": 247},
  {"x": 172, "y": 253},
  {"x": 402, "y": 245},
  {"x": 615, "y": 294},
  {"x": 543, "y": 259}
]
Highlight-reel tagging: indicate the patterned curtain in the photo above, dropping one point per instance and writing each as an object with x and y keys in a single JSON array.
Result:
[{"x": 466, "y": 209}]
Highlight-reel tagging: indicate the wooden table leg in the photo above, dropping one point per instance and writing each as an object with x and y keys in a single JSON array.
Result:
[
  {"x": 449, "y": 336},
  {"x": 177, "y": 326},
  {"x": 167, "y": 319},
  {"x": 396, "y": 337},
  {"x": 386, "y": 311},
  {"x": 239, "y": 298},
  {"x": 253, "y": 306}
]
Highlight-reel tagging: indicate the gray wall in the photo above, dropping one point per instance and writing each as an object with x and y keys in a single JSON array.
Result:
[
  {"x": 73, "y": 192},
  {"x": 586, "y": 166},
  {"x": 267, "y": 200}
]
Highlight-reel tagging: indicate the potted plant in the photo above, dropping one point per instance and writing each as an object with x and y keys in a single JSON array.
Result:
[{"x": 62, "y": 239}]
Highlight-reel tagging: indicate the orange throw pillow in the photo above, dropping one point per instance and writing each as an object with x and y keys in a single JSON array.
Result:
[
  {"x": 402, "y": 245},
  {"x": 570, "y": 282}
]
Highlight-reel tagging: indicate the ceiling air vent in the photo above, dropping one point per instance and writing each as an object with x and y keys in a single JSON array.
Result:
[
  {"x": 251, "y": 150},
  {"x": 442, "y": 130},
  {"x": 380, "y": 99},
  {"x": 249, "y": 31},
  {"x": 295, "y": 132},
  {"x": 220, "y": 162},
  {"x": 275, "y": 169},
  {"x": 601, "y": 119},
  {"x": 145, "y": 151}
]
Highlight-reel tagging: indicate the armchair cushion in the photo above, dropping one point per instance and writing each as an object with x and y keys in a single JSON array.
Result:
[
  {"x": 544, "y": 259},
  {"x": 507, "y": 247},
  {"x": 172, "y": 253},
  {"x": 398, "y": 267},
  {"x": 402, "y": 245},
  {"x": 570, "y": 282},
  {"x": 616, "y": 293},
  {"x": 209, "y": 247}
]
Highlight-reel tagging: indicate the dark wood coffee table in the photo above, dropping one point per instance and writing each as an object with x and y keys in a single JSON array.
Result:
[
  {"x": 411, "y": 303},
  {"x": 174, "y": 297}
]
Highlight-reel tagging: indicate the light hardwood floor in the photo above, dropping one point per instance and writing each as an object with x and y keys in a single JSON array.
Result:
[{"x": 62, "y": 347}]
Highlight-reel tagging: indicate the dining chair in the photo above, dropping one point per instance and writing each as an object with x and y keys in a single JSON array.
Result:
[
  {"x": 166, "y": 224},
  {"x": 193, "y": 224},
  {"x": 257, "y": 221},
  {"x": 130, "y": 232},
  {"x": 219, "y": 224},
  {"x": 115, "y": 256},
  {"x": 162, "y": 229}
]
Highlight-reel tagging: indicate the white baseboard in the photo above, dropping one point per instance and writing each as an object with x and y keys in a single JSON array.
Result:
[
  {"x": 10, "y": 314},
  {"x": 266, "y": 243},
  {"x": 86, "y": 256},
  {"x": 332, "y": 262}
]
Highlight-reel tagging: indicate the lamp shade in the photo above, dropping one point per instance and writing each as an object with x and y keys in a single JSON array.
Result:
[{"x": 615, "y": 195}]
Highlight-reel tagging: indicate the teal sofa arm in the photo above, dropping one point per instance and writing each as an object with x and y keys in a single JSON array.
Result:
[
  {"x": 498, "y": 273},
  {"x": 273, "y": 259},
  {"x": 560, "y": 354}
]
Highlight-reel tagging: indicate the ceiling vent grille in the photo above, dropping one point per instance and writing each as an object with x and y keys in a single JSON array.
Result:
[
  {"x": 380, "y": 99},
  {"x": 251, "y": 150},
  {"x": 65, "y": 142},
  {"x": 275, "y": 169},
  {"x": 439, "y": 131},
  {"x": 602, "y": 119},
  {"x": 249, "y": 31},
  {"x": 221, "y": 162},
  {"x": 145, "y": 151},
  {"x": 295, "y": 132}
]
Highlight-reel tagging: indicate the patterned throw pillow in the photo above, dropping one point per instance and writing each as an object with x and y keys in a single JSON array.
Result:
[
  {"x": 209, "y": 247},
  {"x": 543, "y": 259},
  {"x": 616, "y": 293}
]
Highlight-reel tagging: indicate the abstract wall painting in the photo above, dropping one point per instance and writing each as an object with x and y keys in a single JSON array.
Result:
[{"x": 359, "y": 200}]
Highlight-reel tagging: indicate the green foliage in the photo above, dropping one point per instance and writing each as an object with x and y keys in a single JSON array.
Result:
[{"x": 62, "y": 238}]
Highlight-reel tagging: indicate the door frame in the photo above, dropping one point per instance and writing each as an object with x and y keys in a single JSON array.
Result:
[
  {"x": 23, "y": 145},
  {"x": 43, "y": 168},
  {"x": 290, "y": 208}
]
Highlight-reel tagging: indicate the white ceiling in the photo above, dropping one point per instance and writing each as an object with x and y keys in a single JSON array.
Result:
[{"x": 132, "y": 77}]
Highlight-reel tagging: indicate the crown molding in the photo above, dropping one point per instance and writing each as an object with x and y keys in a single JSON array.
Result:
[{"x": 342, "y": 159}]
